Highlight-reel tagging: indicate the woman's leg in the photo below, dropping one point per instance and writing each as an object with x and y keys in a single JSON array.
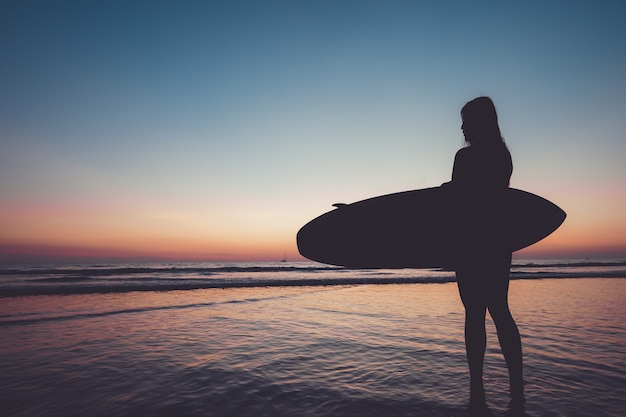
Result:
[
  {"x": 475, "y": 335},
  {"x": 508, "y": 333},
  {"x": 475, "y": 345}
]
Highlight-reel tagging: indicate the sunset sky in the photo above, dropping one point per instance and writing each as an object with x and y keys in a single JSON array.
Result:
[{"x": 204, "y": 130}]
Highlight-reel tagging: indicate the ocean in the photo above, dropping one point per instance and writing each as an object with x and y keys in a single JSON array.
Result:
[{"x": 299, "y": 339}]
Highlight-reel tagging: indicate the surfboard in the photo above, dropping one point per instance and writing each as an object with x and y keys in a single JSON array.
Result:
[{"x": 411, "y": 229}]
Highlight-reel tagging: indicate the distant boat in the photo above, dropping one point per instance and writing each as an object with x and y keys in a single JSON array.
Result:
[{"x": 284, "y": 257}]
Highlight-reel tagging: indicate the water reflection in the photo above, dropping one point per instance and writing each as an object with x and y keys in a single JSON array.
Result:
[{"x": 324, "y": 351}]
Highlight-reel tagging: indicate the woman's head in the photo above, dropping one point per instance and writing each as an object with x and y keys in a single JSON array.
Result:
[{"x": 480, "y": 122}]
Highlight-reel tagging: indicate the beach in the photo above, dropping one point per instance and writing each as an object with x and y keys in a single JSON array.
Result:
[{"x": 338, "y": 349}]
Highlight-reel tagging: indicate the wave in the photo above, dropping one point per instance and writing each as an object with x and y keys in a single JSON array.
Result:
[
  {"x": 183, "y": 285},
  {"x": 563, "y": 275},
  {"x": 16, "y": 281},
  {"x": 20, "y": 319},
  {"x": 569, "y": 264},
  {"x": 107, "y": 270},
  {"x": 186, "y": 285},
  {"x": 62, "y": 279}
]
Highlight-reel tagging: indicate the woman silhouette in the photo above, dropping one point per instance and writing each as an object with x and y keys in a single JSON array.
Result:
[{"x": 482, "y": 257}]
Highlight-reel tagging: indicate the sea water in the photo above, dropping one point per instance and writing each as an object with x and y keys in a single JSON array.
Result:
[{"x": 299, "y": 339}]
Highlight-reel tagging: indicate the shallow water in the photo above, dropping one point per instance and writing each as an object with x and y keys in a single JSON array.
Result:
[{"x": 352, "y": 350}]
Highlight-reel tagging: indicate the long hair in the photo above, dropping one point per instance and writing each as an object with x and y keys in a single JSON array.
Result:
[{"x": 480, "y": 122}]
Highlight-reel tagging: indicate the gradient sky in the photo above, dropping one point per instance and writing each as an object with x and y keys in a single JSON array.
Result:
[{"x": 215, "y": 130}]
